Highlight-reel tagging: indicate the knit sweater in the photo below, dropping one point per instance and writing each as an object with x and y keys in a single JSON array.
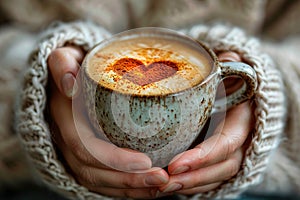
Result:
[{"x": 270, "y": 162}]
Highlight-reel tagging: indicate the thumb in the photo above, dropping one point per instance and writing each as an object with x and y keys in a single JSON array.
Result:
[{"x": 64, "y": 64}]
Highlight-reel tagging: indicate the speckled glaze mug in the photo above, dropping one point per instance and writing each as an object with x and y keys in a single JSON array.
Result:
[{"x": 153, "y": 89}]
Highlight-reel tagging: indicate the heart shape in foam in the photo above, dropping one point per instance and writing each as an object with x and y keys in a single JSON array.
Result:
[{"x": 137, "y": 72}]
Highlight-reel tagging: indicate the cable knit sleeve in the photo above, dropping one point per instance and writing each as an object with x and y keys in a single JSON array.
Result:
[
  {"x": 31, "y": 126},
  {"x": 270, "y": 105}
]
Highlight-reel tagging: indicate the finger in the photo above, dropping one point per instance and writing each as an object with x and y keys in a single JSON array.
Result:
[
  {"x": 199, "y": 189},
  {"x": 64, "y": 64},
  {"x": 226, "y": 140},
  {"x": 95, "y": 177},
  {"x": 232, "y": 83},
  {"x": 229, "y": 56},
  {"x": 92, "y": 177},
  {"x": 72, "y": 150},
  {"x": 88, "y": 148},
  {"x": 204, "y": 176},
  {"x": 141, "y": 193}
]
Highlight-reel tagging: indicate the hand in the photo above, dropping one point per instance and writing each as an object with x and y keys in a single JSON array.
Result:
[
  {"x": 102, "y": 167},
  {"x": 216, "y": 159}
]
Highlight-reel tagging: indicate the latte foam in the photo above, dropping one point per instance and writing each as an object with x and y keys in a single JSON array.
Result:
[{"x": 148, "y": 66}]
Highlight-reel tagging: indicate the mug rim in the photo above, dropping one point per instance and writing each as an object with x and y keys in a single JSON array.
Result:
[{"x": 146, "y": 31}]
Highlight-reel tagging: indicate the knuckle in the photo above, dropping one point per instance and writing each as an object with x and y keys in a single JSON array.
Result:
[
  {"x": 234, "y": 169},
  {"x": 85, "y": 158},
  {"x": 204, "y": 153},
  {"x": 79, "y": 151},
  {"x": 227, "y": 145},
  {"x": 231, "y": 143},
  {"x": 57, "y": 53},
  {"x": 127, "y": 184},
  {"x": 132, "y": 181},
  {"x": 86, "y": 177},
  {"x": 74, "y": 146},
  {"x": 57, "y": 56},
  {"x": 72, "y": 143},
  {"x": 234, "y": 166}
]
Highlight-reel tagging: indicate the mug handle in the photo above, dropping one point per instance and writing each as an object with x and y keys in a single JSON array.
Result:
[{"x": 237, "y": 69}]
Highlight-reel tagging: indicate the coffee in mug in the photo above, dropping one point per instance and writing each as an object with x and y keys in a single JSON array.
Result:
[{"x": 147, "y": 66}]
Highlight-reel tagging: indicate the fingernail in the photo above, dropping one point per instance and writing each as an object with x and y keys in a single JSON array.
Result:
[
  {"x": 173, "y": 187},
  {"x": 156, "y": 180},
  {"x": 69, "y": 85},
  {"x": 138, "y": 166},
  {"x": 181, "y": 169}
]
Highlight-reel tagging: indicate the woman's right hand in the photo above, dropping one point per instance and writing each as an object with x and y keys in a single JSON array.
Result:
[{"x": 102, "y": 167}]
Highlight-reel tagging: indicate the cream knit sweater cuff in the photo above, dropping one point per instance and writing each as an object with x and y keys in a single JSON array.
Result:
[
  {"x": 270, "y": 105},
  {"x": 35, "y": 134},
  {"x": 31, "y": 126}
]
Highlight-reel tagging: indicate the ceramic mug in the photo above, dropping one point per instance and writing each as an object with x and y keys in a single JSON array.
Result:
[{"x": 153, "y": 89}]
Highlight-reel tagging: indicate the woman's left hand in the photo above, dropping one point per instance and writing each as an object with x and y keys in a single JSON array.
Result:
[{"x": 218, "y": 158}]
